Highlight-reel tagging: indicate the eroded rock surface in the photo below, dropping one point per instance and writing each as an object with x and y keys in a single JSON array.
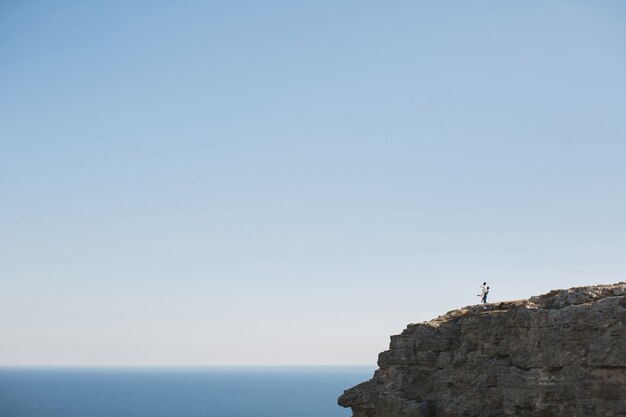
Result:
[{"x": 559, "y": 354}]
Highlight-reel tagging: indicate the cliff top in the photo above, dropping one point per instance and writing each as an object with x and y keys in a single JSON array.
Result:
[{"x": 554, "y": 299}]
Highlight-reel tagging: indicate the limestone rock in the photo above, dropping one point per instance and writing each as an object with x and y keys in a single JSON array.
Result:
[{"x": 562, "y": 354}]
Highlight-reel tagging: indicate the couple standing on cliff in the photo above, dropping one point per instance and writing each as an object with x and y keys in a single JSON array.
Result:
[{"x": 484, "y": 290}]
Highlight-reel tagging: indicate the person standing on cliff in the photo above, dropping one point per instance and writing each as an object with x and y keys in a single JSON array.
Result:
[{"x": 484, "y": 290}]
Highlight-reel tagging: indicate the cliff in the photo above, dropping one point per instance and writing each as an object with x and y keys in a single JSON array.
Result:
[{"x": 559, "y": 354}]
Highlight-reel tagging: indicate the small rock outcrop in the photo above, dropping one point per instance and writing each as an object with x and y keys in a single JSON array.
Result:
[{"x": 562, "y": 354}]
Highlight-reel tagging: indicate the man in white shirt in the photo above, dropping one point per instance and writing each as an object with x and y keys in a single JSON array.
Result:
[{"x": 484, "y": 290}]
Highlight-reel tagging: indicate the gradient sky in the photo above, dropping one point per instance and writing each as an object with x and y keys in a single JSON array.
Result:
[{"x": 226, "y": 183}]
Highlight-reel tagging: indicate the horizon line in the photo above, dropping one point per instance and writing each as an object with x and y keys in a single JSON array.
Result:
[{"x": 187, "y": 366}]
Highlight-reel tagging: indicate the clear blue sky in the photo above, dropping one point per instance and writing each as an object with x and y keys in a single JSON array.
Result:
[{"x": 292, "y": 182}]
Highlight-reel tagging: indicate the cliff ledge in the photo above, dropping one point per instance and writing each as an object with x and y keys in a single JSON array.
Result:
[{"x": 558, "y": 354}]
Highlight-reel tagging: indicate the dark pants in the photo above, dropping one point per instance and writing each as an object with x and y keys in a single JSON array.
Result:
[{"x": 485, "y": 298}]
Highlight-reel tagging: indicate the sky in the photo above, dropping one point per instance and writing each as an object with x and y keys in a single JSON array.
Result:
[{"x": 290, "y": 183}]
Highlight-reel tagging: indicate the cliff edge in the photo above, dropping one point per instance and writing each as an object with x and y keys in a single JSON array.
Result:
[{"x": 558, "y": 354}]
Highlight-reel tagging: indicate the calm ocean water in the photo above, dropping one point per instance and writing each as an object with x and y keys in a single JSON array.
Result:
[{"x": 177, "y": 392}]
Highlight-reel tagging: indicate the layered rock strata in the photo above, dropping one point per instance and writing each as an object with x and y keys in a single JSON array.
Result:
[{"x": 559, "y": 354}]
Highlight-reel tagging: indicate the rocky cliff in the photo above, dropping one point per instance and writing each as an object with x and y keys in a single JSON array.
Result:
[{"x": 559, "y": 354}]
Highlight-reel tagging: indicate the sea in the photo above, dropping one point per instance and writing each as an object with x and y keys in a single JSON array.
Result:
[{"x": 177, "y": 392}]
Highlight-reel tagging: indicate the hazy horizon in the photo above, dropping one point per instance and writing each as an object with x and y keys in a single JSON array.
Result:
[{"x": 290, "y": 184}]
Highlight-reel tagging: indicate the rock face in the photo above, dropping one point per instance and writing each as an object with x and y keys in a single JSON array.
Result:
[{"x": 559, "y": 354}]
